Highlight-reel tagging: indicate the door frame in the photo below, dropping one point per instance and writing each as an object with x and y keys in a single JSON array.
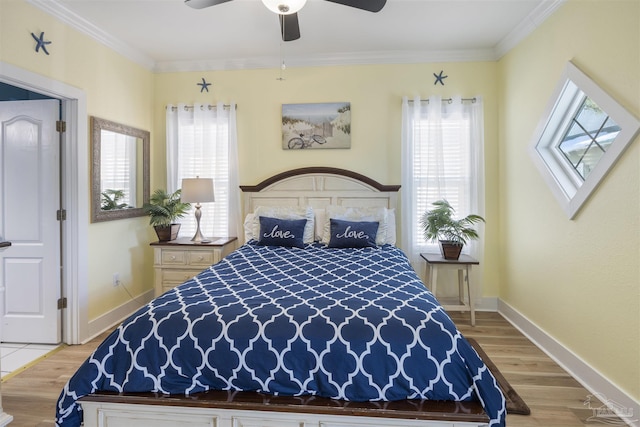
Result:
[{"x": 75, "y": 194}]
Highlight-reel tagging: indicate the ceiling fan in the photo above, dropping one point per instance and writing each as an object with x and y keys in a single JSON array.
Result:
[{"x": 287, "y": 11}]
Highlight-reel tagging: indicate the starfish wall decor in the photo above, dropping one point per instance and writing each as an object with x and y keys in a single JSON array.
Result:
[
  {"x": 205, "y": 85},
  {"x": 41, "y": 43},
  {"x": 439, "y": 78}
]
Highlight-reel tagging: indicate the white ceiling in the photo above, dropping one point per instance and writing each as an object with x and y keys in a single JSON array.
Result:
[{"x": 167, "y": 35}]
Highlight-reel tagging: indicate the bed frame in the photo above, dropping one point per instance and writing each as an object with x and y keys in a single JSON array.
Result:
[{"x": 318, "y": 187}]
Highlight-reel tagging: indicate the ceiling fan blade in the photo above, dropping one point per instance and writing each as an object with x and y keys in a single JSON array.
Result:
[
  {"x": 368, "y": 5},
  {"x": 201, "y": 4},
  {"x": 289, "y": 27}
]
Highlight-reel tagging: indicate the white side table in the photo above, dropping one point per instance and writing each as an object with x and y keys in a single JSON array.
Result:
[{"x": 435, "y": 262}]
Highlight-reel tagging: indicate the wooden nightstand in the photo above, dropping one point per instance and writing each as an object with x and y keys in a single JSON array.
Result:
[
  {"x": 436, "y": 262},
  {"x": 179, "y": 260}
]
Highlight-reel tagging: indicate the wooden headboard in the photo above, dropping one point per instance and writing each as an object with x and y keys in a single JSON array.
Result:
[{"x": 318, "y": 187}]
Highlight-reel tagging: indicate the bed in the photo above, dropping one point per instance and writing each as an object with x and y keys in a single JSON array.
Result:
[{"x": 317, "y": 320}]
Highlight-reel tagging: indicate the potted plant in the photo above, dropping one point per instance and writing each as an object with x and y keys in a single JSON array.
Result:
[
  {"x": 164, "y": 209},
  {"x": 440, "y": 225}
]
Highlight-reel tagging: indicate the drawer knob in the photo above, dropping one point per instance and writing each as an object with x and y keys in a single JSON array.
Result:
[
  {"x": 173, "y": 257},
  {"x": 200, "y": 258}
]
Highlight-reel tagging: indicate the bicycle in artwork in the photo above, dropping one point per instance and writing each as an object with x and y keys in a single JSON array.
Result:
[{"x": 303, "y": 141}]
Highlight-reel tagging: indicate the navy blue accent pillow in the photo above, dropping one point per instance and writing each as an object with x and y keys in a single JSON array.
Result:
[
  {"x": 353, "y": 234},
  {"x": 282, "y": 232}
]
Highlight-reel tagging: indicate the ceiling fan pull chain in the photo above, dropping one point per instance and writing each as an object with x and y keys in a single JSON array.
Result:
[{"x": 283, "y": 66}]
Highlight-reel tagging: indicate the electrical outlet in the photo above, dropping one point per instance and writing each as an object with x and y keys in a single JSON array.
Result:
[{"x": 116, "y": 279}]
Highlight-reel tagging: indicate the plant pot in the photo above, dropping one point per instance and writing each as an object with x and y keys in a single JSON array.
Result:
[
  {"x": 167, "y": 232},
  {"x": 450, "y": 250}
]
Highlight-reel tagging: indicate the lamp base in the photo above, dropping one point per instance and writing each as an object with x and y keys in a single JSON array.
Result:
[{"x": 198, "y": 237}]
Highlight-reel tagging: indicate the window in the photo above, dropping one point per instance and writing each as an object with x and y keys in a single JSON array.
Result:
[
  {"x": 442, "y": 158},
  {"x": 591, "y": 132},
  {"x": 201, "y": 142},
  {"x": 445, "y": 174},
  {"x": 584, "y": 133}
]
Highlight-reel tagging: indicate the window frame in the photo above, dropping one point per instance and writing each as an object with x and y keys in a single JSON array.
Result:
[{"x": 566, "y": 185}]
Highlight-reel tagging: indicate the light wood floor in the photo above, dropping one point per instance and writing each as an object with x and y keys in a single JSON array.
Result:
[{"x": 555, "y": 399}]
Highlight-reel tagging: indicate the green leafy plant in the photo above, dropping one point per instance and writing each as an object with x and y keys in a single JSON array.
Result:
[
  {"x": 439, "y": 224},
  {"x": 165, "y": 208},
  {"x": 111, "y": 199}
]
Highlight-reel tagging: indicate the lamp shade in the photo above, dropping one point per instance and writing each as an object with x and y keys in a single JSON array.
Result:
[
  {"x": 197, "y": 190},
  {"x": 284, "y": 7}
]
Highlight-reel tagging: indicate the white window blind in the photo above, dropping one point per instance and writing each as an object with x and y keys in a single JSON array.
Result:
[
  {"x": 118, "y": 165},
  {"x": 442, "y": 172}
]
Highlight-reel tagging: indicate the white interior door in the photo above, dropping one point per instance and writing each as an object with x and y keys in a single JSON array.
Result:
[{"x": 29, "y": 200}]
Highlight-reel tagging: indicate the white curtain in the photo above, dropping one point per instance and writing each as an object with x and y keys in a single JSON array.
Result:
[
  {"x": 442, "y": 157},
  {"x": 202, "y": 141}
]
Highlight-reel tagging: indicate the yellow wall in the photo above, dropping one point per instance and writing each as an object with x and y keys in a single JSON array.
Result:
[
  {"x": 578, "y": 280},
  {"x": 375, "y": 93},
  {"x": 116, "y": 89}
]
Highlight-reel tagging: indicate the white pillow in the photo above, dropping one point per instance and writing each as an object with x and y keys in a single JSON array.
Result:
[
  {"x": 391, "y": 227},
  {"x": 320, "y": 215},
  {"x": 248, "y": 228},
  {"x": 286, "y": 212},
  {"x": 378, "y": 214}
]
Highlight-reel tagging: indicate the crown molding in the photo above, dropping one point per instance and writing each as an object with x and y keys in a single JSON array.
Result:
[
  {"x": 333, "y": 59},
  {"x": 527, "y": 26},
  {"x": 60, "y": 12}
]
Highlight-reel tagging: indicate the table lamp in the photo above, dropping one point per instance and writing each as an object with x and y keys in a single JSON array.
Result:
[{"x": 197, "y": 190}]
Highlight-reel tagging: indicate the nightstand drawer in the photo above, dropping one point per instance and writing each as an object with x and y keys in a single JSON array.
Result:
[
  {"x": 178, "y": 276},
  {"x": 203, "y": 258},
  {"x": 174, "y": 257}
]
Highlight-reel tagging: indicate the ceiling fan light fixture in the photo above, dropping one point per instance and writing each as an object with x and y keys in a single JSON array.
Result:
[{"x": 284, "y": 7}]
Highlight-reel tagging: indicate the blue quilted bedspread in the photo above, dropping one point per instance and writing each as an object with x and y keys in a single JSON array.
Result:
[{"x": 353, "y": 324}]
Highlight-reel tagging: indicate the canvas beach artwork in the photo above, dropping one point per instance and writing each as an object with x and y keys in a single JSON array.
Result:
[{"x": 313, "y": 126}]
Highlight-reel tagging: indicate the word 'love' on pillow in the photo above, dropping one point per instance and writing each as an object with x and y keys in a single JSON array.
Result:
[
  {"x": 353, "y": 234},
  {"x": 282, "y": 232}
]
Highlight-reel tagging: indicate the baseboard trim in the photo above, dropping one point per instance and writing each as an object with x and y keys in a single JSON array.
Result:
[
  {"x": 618, "y": 401},
  {"x": 117, "y": 315},
  {"x": 5, "y": 419},
  {"x": 487, "y": 304}
]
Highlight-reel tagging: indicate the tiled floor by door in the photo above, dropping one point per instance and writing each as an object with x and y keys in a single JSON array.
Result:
[{"x": 14, "y": 357}]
